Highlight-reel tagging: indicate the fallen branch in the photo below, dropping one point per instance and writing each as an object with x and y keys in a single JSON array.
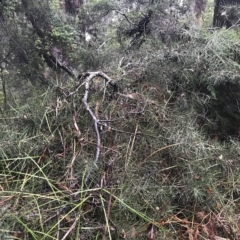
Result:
[{"x": 87, "y": 82}]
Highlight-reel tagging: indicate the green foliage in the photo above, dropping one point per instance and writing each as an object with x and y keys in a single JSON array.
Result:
[
  {"x": 8, "y": 7},
  {"x": 64, "y": 34},
  {"x": 169, "y": 152},
  {"x": 100, "y": 5}
]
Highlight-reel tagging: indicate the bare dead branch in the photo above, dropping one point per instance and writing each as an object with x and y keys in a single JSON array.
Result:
[
  {"x": 123, "y": 14},
  {"x": 87, "y": 79}
]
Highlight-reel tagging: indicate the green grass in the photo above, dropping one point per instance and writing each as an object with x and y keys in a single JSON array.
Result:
[{"x": 167, "y": 180}]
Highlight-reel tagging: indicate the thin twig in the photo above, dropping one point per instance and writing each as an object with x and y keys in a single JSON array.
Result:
[
  {"x": 58, "y": 229},
  {"x": 70, "y": 229},
  {"x": 123, "y": 14}
]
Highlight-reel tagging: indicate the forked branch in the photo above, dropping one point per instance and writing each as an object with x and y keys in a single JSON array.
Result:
[{"x": 87, "y": 79}]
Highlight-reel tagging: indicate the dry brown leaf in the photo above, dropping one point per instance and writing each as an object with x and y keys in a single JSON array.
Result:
[
  {"x": 220, "y": 238},
  {"x": 123, "y": 234},
  {"x": 133, "y": 232},
  {"x": 205, "y": 230},
  {"x": 150, "y": 231},
  {"x": 196, "y": 232},
  {"x": 210, "y": 190}
]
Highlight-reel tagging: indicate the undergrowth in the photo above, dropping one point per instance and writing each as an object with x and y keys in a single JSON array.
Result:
[
  {"x": 169, "y": 131},
  {"x": 158, "y": 176}
]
